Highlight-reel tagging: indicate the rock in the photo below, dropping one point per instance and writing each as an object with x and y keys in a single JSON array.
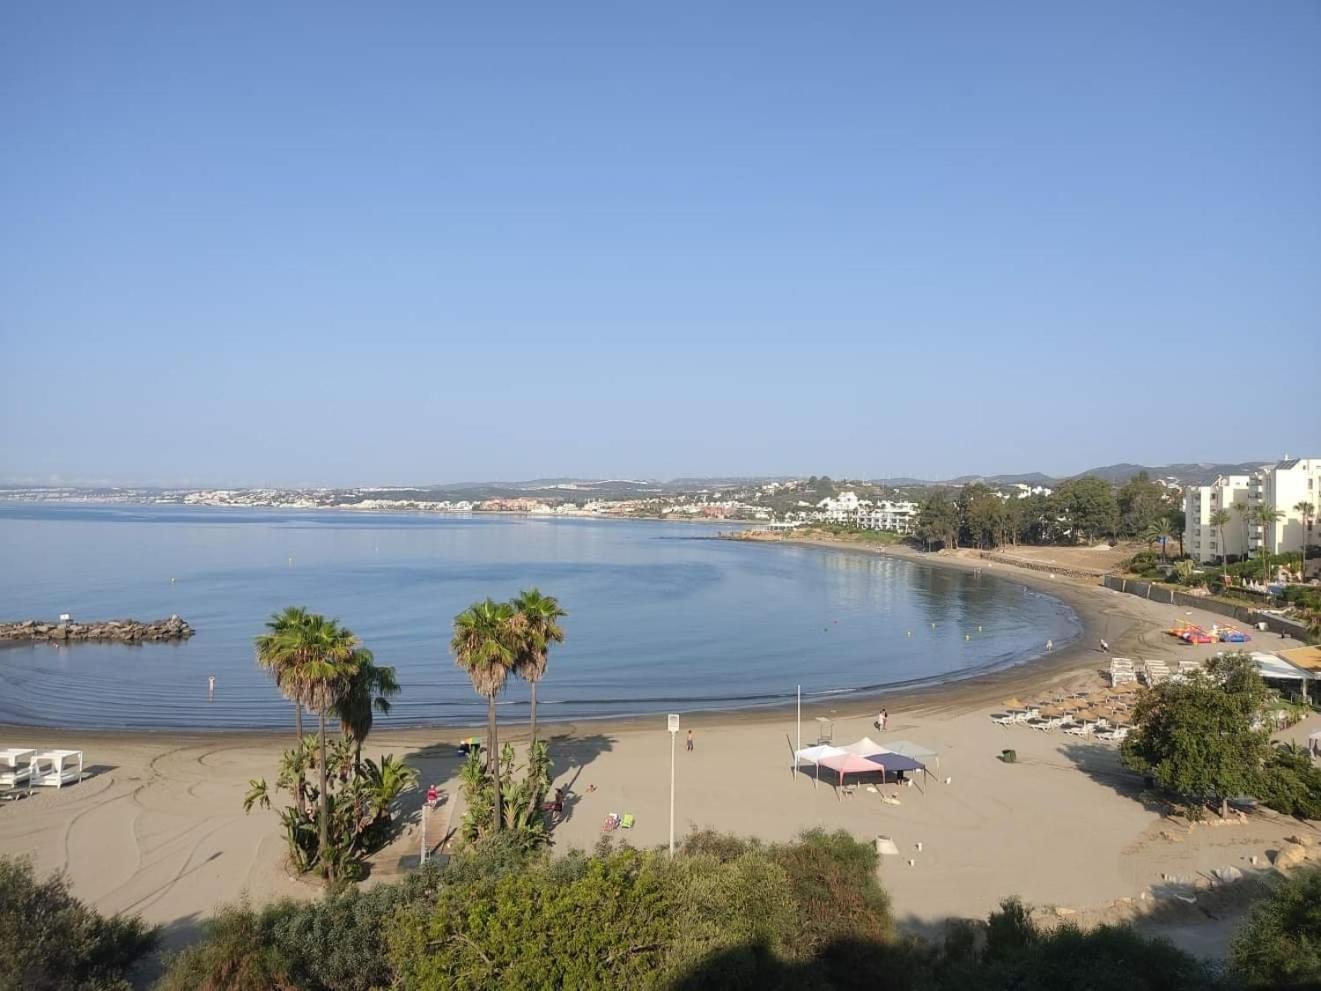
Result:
[
  {"x": 115, "y": 630},
  {"x": 1228, "y": 874},
  {"x": 1063, "y": 912},
  {"x": 1300, "y": 840},
  {"x": 1291, "y": 855}
]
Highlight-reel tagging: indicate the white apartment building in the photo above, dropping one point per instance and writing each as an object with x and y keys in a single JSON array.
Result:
[
  {"x": 897, "y": 517},
  {"x": 1282, "y": 486},
  {"x": 1203, "y": 542}
]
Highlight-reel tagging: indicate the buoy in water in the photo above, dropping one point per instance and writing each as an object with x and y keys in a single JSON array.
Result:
[
  {"x": 171, "y": 581},
  {"x": 910, "y": 633},
  {"x": 967, "y": 636},
  {"x": 979, "y": 629}
]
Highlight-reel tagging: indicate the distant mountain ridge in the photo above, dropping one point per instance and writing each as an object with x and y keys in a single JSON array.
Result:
[{"x": 1186, "y": 473}]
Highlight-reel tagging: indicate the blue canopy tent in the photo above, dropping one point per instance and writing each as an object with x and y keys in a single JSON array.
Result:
[{"x": 893, "y": 763}]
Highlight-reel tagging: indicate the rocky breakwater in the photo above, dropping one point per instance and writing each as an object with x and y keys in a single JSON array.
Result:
[{"x": 111, "y": 630}]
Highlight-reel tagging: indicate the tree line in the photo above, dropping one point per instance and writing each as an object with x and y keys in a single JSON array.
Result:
[{"x": 1081, "y": 510}]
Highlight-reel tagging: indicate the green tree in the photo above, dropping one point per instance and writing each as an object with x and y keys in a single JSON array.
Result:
[
  {"x": 1220, "y": 519},
  {"x": 1159, "y": 531},
  {"x": 938, "y": 521},
  {"x": 330, "y": 657},
  {"x": 280, "y": 652},
  {"x": 1196, "y": 736},
  {"x": 53, "y": 942},
  {"x": 485, "y": 646},
  {"x": 1088, "y": 507},
  {"x": 369, "y": 691},
  {"x": 1280, "y": 944},
  {"x": 1141, "y": 502},
  {"x": 981, "y": 515},
  {"x": 1266, "y": 516},
  {"x": 536, "y": 619},
  {"x": 1307, "y": 511}
]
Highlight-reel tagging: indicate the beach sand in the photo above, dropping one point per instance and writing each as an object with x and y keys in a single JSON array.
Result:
[{"x": 158, "y": 827}]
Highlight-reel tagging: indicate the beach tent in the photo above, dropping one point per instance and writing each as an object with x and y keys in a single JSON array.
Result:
[
  {"x": 914, "y": 750},
  {"x": 848, "y": 763},
  {"x": 817, "y": 755},
  {"x": 865, "y": 747}
]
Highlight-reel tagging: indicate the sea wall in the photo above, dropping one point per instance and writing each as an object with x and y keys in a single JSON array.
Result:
[
  {"x": 1170, "y": 596},
  {"x": 113, "y": 630}
]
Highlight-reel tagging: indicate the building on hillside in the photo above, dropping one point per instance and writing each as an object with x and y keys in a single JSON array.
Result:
[
  {"x": 892, "y": 515},
  {"x": 1284, "y": 486},
  {"x": 896, "y": 517},
  {"x": 1203, "y": 542}
]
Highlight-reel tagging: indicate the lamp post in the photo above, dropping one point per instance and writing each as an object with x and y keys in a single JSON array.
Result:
[{"x": 673, "y": 724}]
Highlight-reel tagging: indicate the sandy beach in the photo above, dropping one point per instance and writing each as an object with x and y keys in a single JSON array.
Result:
[{"x": 157, "y": 827}]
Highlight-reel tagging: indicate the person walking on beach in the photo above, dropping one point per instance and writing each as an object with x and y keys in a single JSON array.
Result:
[
  {"x": 690, "y": 741},
  {"x": 1105, "y": 646}
]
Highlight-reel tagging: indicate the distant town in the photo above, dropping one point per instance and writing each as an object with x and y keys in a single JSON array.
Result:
[{"x": 1188, "y": 496}]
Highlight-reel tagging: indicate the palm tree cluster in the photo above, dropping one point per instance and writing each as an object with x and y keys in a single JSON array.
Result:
[
  {"x": 323, "y": 667},
  {"x": 493, "y": 640}
]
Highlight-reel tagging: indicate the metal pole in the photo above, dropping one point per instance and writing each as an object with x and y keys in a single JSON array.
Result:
[
  {"x": 800, "y": 730},
  {"x": 672, "y": 737},
  {"x": 422, "y": 858}
]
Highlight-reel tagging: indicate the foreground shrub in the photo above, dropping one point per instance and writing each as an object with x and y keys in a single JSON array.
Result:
[
  {"x": 337, "y": 944},
  {"x": 591, "y": 922},
  {"x": 1280, "y": 944},
  {"x": 1020, "y": 955},
  {"x": 50, "y": 941}
]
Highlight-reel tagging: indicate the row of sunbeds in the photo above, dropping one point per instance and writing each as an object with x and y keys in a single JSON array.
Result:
[
  {"x": 1100, "y": 729},
  {"x": 1124, "y": 671},
  {"x": 27, "y": 768}
]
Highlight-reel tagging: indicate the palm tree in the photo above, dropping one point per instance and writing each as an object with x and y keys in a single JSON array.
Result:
[
  {"x": 484, "y": 646},
  {"x": 1266, "y": 516},
  {"x": 280, "y": 652},
  {"x": 1307, "y": 511},
  {"x": 1159, "y": 530},
  {"x": 1220, "y": 519},
  {"x": 535, "y": 622},
  {"x": 331, "y": 655},
  {"x": 1244, "y": 514},
  {"x": 369, "y": 691}
]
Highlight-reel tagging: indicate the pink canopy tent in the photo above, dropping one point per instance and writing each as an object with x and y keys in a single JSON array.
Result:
[{"x": 849, "y": 763}]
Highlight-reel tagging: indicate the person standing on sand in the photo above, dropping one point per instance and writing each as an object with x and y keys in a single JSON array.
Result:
[{"x": 690, "y": 741}]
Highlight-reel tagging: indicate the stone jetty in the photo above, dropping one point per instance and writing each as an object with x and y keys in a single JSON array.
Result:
[{"x": 113, "y": 630}]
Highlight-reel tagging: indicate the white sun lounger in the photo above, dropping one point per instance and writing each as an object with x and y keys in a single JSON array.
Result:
[
  {"x": 16, "y": 767},
  {"x": 57, "y": 768}
]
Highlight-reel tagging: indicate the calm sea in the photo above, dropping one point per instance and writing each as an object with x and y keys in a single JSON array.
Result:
[{"x": 661, "y": 616}]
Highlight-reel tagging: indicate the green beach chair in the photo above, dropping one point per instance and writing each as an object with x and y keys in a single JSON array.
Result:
[{"x": 627, "y": 821}]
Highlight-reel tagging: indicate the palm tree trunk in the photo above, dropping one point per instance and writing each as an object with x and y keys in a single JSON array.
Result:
[
  {"x": 534, "y": 711},
  {"x": 298, "y": 728},
  {"x": 324, "y": 847},
  {"x": 493, "y": 758}
]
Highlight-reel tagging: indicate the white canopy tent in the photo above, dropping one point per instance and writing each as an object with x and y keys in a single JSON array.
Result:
[
  {"x": 866, "y": 747},
  {"x": 815, "y": 755},
  {"x": 1275, "y": 666},
  {"x": 913, "y": 750}
]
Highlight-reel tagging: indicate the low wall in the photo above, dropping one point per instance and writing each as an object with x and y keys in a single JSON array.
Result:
[
  {"x": 1171, "y": 596},
  {"x": 1054, "y": 569}
]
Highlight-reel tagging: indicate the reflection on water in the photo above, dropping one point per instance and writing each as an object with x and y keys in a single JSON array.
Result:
[{"x": 660, "y": 618}]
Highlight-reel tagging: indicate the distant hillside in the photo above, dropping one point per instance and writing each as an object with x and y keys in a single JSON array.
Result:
[
  {"x": 1184, "y": 474},
  {"x": 1118, "y": 474}
]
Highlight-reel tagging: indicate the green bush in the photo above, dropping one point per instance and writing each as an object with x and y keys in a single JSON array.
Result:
[
  {"x": 1291, "y": 783},
  {"x": 1018, "y": 954},
  {"x": 1280, "y": 944},
  {"x": 53, "y": 942}
]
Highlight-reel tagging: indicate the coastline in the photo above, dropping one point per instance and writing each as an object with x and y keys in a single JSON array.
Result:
[{"x": 953, "y": 693}]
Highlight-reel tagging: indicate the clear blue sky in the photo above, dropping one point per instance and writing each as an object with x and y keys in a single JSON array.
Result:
[{"x": 346, "y": 243}]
